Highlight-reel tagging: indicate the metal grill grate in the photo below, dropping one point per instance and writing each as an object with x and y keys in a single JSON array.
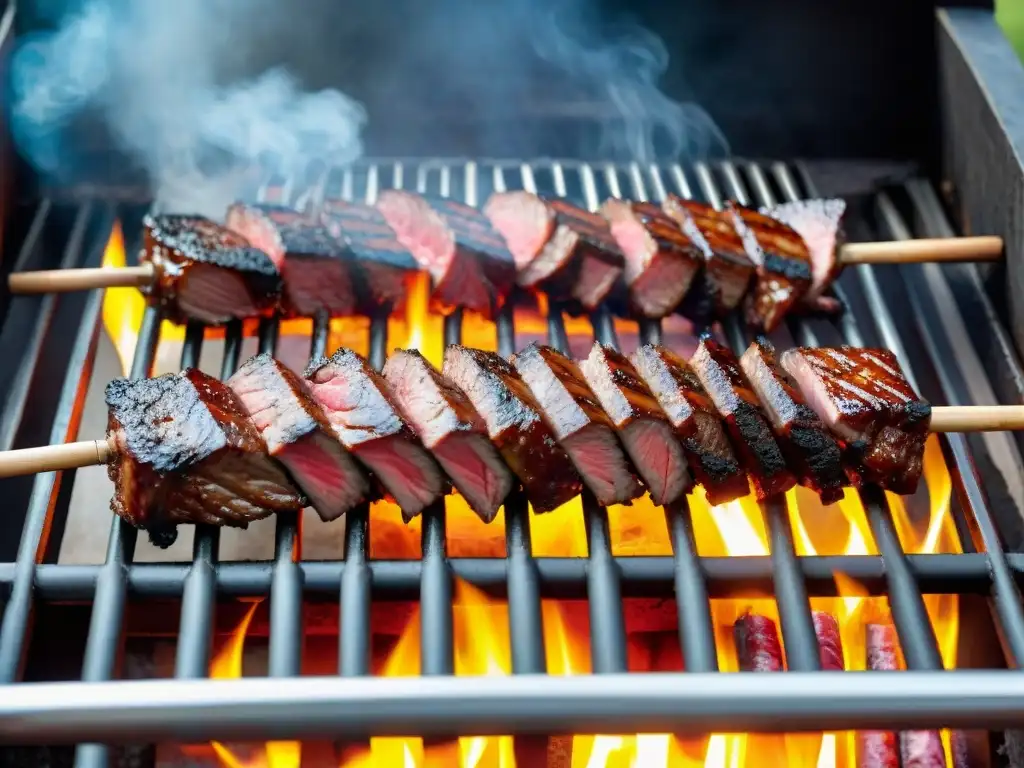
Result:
[{"x": 529, "y": 703}]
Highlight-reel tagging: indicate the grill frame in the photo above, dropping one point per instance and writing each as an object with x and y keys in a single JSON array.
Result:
[{"x": 206, "y": 710}]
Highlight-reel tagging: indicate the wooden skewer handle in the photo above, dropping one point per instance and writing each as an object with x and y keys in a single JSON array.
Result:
[
  {"x": 50, "y": 458},
  {"x": 66, "y": 280},
  {"x": 984, "y": 248},
  {"x": 977, "y": 418}
]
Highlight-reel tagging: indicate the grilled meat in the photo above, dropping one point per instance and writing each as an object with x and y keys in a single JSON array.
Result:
[
  {"x": 515, "y": 425},
  {"x": 185, "y": 452},
  {"x": 864, "y": 398},
  {"x": 563, "y": 250},
  {"x": 819, "y": 223},
  {"x": 581, "y": 427},
  {"x": 684, "y": 400},
  {"x": 380, "y": 264},
  {"x": 812, "y": 453},
  {"x": 783, "y": 266},
  {"x": 366, "y": 419},
  {"x": 661, "y": 261},
  {"x": 316, "y": 278},
  {"x": 721, "y": 284},
  {"x": 298, "y": 435},
  {"x": 451, "y": 429},
  {"x": 720, "y": 373},
  {"x": 207, "y": 272},
  {"x": 468, "y": 261},
  {"x": 643, "y": 427},
  {"x": 757, "y": 643}
]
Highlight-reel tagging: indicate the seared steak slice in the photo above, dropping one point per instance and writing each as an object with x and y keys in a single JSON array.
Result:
[
  {"x": 783, "y": 266},
  {"x": 366, "y": 419},
  {"x": 316, "y": 278},
  {"x": 812, "y": 453},
  {"x": 186, "y": 452},
  {"x": 643, "y": 426},
  {"x": 451, "y": 429},
  {"x": 515, "y": 425},
  {"x": 581, "y": 427},
  {"x": 558, "y": 248},
  {"x": 819, "y": 223},
  {"x": 867, "y": 402},
  {"x": 727, "y": 272},
  {"x": 684, "y": 400},
  {"x": 720, "y": 373},
  {"x": 207, "y": 272},
  {"x": 661, "y": 261},
  {"x": 298, "y": 435},
  {"x": 380, "y": 264}
]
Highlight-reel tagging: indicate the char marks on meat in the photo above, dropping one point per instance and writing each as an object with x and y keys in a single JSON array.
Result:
[
  {"x": 684, "y": 400},
  {"x": 643, "y": 427},
  {"x": 811, "y": 451},
  {"x": 581, "y": 427},
  {"x": 783, "y": 266},
  {"x": 819, "y": 223},
  {"x": 186, "y": 452},
  {"x": 720, "y": 373},
  {"x": 297, "y": 434},
  {"x": 867, "y": 402},
  {"x": 727, "y": 271},
  {"x": 380, "y": 264},
  {"x": 207, "y": 272},
  {"x": 515, "y": 425},
  {"x": 451, "y": 429},
  {"x": 563, "y": 250},
  {"x": 316, "y": 278},
  {"x": 661, "y": 261},
  {"x": 363, "y": 415}
]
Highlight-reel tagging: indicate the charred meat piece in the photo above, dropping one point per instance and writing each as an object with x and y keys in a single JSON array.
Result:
[
  {"x": 757, "y": 643},
  {"x": 727, "y": 272},
  {"x": 316, "y": 278},
  {"x": 783, "y": 266},
  {"x": 684, "y": 400},
  {"x": 186, "y": 452},
  {"x": 642, "y": 425},
  {"x": 298, "y": 435},
  {"x": 864, "y": 398},
  {"x": 207, "y": 272},
  {"x": 515, "y": 425},
  {"x": 364, "y": 417},
  {"x": 380, "y": 264},
  {"x": 581, "y": 427},
  {"x": 563, "y": 250},
  {"x": 811, "y": 451},
  {"x": 720, "y": 373},
  {"x": 819, "y": 223},
  {"x": 451, "y": 429},
  {"x": 661, "y": 261},
  {"x": 468, "y": 262}
]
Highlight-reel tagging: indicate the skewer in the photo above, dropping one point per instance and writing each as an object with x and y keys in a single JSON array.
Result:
[
  {"x": 943, "y": 249},
  {"x": 67, "y": 280}
]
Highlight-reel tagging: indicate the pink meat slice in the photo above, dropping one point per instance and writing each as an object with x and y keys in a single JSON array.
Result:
[
  {"x": 819, "y": 223},
  {"x": 213, "y": 295}
]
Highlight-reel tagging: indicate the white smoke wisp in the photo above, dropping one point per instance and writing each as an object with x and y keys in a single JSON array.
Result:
[{"x": 149, "y": 70}]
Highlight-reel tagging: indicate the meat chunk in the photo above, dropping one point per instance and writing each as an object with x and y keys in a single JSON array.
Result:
[
  {"x": 661, "y": 261},
  {"x": 468, "y": 261},
  {"x": 363, "y": 415},
  {"x": 207, "y": 272},
  {"x": 819, "y": 223},
  {"x": 783, "y": 266},
  {"x": 727, "y": 272},
  {"x": 684, "y": 400},
  {"x": 297, "y": 434},
  {"x": 812, "y": 453},
  {"x": 720, "y": 373},
  {"x": 381, "y": 266},
  {"x": 581, "y": 427},
  {"x": 867, "y": 402},
  {"x": 186, "y": 452},
  {"x": 316, "y": 278},
  {"x": 642, "y": 425},
  {"x": 515, "y": 425},
  {"x": 451, "y": 429}
]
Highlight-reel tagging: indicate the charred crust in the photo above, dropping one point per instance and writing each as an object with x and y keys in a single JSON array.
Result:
[
  {"x": 314, "y": 366},
  {"x": 201, "y": 240},
  {"x": 163, "y": 535}
]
